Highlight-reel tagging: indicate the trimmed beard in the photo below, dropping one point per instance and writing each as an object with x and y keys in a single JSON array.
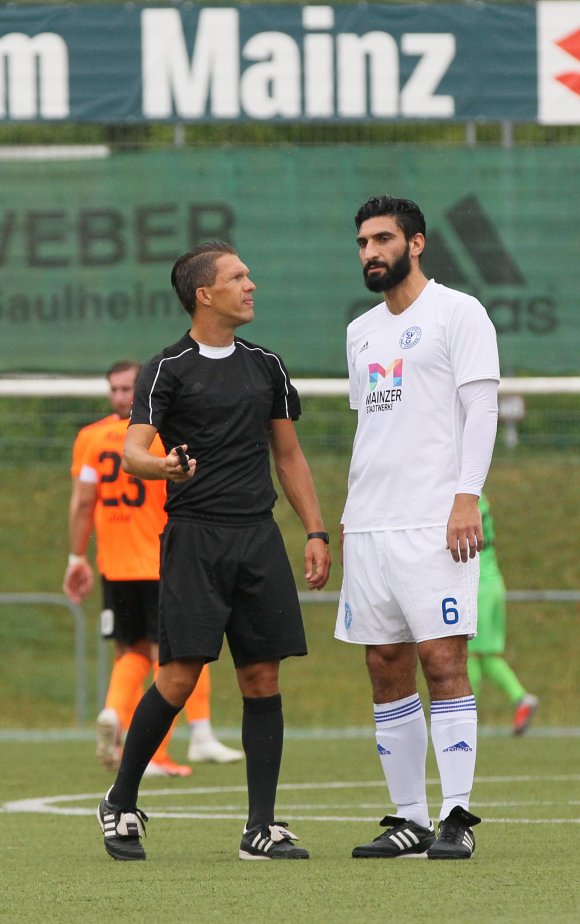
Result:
[{"x": 392, "y": 277}]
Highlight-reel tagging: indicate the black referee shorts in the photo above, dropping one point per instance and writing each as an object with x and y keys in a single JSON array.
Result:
[
  {"x": 135, "y": 606},
  {"x": 221, "y": 580}
]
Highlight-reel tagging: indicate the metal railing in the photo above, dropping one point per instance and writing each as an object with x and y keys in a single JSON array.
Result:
[
  {"x": 77, "y": 613},
  {"x": 78, "y": 616},
  {"x": 513, "y": 596}
]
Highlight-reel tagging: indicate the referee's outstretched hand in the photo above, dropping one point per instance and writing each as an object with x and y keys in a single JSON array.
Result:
[{"x": 178, "y": 466}]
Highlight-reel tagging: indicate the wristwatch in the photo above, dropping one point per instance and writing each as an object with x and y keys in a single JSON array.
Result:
[{"x": 324, "y": 536}]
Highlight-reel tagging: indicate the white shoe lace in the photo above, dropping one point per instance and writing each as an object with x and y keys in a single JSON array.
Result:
[{"x": 279, "y": 833}]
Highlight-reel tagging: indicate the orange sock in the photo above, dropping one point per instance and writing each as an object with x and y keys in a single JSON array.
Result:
[
  {"x": 198, "y": 705},
  {"x": 127, "y": 678},
  {"x": 162, "y": 754},
  {"x": 138, "y": 697}
]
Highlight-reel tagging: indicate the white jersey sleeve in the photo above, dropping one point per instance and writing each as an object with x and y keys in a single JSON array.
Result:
[
  {"x": 479, "y": 400},
  {"x": 472, "y": 343},
  {"x": 352, "y": 379}
]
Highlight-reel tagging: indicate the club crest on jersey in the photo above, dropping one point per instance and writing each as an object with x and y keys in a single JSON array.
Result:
[{"x": 410, "y": 338}]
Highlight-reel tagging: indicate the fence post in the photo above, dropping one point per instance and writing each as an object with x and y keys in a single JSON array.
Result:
[
  {"x": 102, "y": 669},
  {"x": 78, "y": 616}
]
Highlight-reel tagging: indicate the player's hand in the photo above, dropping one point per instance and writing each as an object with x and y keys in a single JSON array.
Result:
[
  {"x": 317, "y": 563},
  {"x": 78, "y": 581},
  {"x": 174, "y": 467},
  {"x": 464, "y": 532}
]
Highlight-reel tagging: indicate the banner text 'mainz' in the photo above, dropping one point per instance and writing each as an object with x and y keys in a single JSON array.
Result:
[
  {"x": 271, "y": 75},
  {"x": 346, "y": 75}
]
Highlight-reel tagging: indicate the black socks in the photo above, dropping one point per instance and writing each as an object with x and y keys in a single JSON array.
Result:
[
  {"x": 262, "y": 738},
  {"x": 149, "y": 725}
]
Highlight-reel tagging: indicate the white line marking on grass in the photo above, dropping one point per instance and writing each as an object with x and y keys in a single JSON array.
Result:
[
  {"x": 41, "y": 806},
  {"x": 379, "y": 805},
  {"x": 555, "y": 778},
  {"x": 533, "y": 821},
  {"x": 64, "y": 804}
]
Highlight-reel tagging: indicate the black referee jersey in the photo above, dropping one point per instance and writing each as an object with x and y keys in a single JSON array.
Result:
[{"x": 221, "y": 408}]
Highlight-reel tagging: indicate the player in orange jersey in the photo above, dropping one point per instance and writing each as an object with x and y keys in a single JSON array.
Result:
[{"x": 128, "y": 516}]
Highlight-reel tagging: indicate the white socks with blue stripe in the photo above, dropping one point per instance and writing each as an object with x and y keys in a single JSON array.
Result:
[
  {"x": 454, "y": 737},
  {"x": 401, "y": 733}
]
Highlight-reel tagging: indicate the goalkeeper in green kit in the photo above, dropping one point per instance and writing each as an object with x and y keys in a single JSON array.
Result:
[{"x": 486, "y": 652}]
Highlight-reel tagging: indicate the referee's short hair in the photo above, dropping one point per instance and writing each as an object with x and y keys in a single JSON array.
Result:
[
  {"x": 406, "y": 213},
  {"x": 197, "y": 268}
]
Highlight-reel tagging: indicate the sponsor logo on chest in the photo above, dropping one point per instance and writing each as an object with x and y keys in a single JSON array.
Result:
[{"x": 379, "y": 396}]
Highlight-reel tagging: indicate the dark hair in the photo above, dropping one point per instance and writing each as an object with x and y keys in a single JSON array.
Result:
[
  {"x": 124, "y": 365},
  {"x": 406, "y": 213},
  {"x": 197, "y": 268}
]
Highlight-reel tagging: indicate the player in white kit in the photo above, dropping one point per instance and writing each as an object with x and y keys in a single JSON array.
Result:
[{"x": 423, "y": 373}]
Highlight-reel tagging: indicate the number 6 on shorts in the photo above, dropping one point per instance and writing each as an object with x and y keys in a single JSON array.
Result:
[{"x": 450, "y": 613}]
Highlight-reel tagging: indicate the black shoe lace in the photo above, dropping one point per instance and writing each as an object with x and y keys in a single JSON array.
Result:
[
  {"x": 451, "y": 831},
  {"x": 391, "y": 825}
]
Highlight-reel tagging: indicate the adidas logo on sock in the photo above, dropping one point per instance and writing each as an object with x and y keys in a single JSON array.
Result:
[
  {"x": 459, "y": 746},
  {"x": 382, "y": 750}
]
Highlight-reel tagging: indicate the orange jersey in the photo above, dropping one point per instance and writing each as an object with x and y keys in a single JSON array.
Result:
[
  {"x": 129, "y": 516},
  {"x": 82, "y": 440}
]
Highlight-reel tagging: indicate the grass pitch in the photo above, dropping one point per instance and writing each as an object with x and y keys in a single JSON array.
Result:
[
  {"x": 525, "y": 869},
  {"x": 54, "y": 867}
]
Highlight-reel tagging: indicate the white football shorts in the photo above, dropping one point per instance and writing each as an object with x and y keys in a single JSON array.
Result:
[{"x": 403, "y": 586}]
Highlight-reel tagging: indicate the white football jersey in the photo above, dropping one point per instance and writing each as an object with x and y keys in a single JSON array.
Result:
[{"x": 404, "y": 374}]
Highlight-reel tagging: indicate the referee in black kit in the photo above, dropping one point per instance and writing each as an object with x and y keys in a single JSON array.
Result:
[{"x": 219, "y": 404}]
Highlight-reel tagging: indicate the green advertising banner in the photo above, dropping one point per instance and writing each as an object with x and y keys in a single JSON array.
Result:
[
  {"x": 295, "y": 63},
  {"x": 86, "y": 248}
]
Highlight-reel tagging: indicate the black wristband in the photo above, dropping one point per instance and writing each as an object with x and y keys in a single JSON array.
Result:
[{"x": 324, "y": 536}]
